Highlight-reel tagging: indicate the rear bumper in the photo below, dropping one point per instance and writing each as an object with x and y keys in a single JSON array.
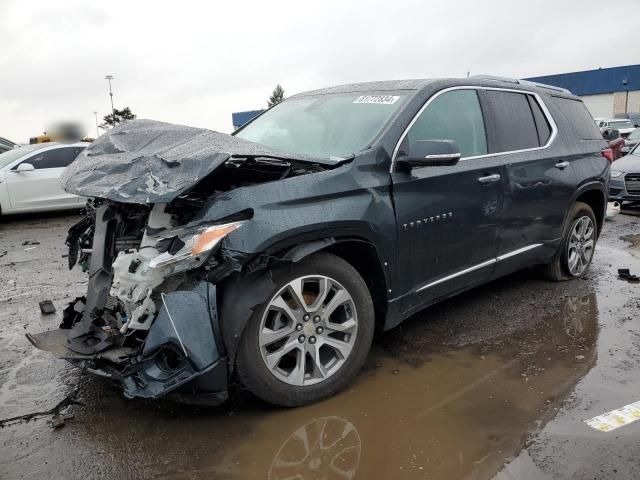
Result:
[{"x": 182, "y": 356}]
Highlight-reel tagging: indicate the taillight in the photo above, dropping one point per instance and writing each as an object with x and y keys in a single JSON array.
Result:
[{"x": 608, "y": 154}]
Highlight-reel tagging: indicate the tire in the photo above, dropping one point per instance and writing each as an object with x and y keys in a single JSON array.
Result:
[
  {"x": 318, "y": 365},
  {"x": 560, "y": 268}
]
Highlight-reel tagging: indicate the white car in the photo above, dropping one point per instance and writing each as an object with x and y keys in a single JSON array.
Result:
[
  {"x": 624, "y": 126},
  {"x": 30, "y": 178}
]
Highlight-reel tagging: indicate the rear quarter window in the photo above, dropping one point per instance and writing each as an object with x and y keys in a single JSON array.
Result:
[{"x": 575, "y": 112}]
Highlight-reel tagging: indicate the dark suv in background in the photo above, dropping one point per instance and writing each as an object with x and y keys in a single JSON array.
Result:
[{"x": 272, "y": 255}]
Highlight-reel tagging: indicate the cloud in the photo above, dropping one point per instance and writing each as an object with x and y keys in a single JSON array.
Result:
[{"x": 197, "y": 62}]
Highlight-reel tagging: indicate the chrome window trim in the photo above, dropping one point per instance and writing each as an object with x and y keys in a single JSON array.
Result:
[
  {"x": 444, "y": 155},
  {"x": 545, "y": 111},
  {"x": 487, "y": 263}
]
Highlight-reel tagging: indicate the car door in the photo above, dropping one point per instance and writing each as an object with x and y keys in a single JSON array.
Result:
[
  {"x": 539, "y": 181},
  {"x": 448, "y": 217},
  {"x": 39, "y": 189}
]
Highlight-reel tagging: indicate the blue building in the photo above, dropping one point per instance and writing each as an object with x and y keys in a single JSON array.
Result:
[
  {"x": 240, "y": 118},
  {"x": 605, "y": 91}
]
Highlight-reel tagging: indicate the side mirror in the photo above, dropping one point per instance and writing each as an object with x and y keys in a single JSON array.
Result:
[
  {"x": 25, "y": 167},
  {"x": 430, "y": 153}
]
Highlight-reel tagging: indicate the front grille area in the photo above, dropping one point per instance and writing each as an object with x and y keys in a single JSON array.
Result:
[{"x": 632, "y": 183}]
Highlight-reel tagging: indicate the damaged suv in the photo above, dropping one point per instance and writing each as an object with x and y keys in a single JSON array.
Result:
[{"x": 271, "y": 256}]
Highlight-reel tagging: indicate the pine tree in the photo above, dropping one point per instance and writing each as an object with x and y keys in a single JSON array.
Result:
[
  {"x": 276, "y": 97},
  {"x": 120, "y": 116}
]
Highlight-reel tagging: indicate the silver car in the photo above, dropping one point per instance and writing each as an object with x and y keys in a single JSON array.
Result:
[{"x": 625, "y": 177}]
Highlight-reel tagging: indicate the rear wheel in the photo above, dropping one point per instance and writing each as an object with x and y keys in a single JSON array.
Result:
[
  {"x": 311, "y": 337},
  {"x": 578, "y": 245}
]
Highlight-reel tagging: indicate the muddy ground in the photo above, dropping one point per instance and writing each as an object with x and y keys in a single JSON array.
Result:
[{"x": 495, "y": 382}]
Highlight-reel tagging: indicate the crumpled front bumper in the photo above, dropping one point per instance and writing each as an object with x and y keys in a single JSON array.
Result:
[{"x": 182, "y": 356}]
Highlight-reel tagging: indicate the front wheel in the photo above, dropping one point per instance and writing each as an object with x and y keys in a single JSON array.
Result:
[
  {"x": 312, "y": 336},
  {"x": 577, "y": 247}
]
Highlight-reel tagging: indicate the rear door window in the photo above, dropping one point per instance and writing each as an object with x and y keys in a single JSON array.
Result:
[
  {"x": 511, "y": 123},
  {"x": 454, "y": 115}
]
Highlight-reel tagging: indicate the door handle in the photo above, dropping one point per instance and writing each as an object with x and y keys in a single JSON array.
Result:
[
  {"x": 490, "y": 178},
  {"x": 562, "y": 165}
]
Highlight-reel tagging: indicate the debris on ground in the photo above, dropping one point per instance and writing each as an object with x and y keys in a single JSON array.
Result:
[
  {"x": 625, "y": 274},
  {"x": 30, "y": 242},
  {"x": 613, "y": 209},
  {"x": 59, "y": 420},
  {"x": 2, "y": 254},
  {"x": 67, "y": 401},
  {"x": 47, "y": 307}
]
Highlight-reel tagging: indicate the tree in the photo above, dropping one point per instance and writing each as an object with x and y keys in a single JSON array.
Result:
[
  {"x": 276, "y": 97},
  {"x": 120, "y": 116}
]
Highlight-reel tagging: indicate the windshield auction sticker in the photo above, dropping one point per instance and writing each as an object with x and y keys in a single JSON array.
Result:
[{"x": 380, "y": 99}]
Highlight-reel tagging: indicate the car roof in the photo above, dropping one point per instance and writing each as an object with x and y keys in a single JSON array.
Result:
[
  {"x": 363, "y": 87},
  {"x": 36, "y": 146},
  {"x": 420, "y": 84}
]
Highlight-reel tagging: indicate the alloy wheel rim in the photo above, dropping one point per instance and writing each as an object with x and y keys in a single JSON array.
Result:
[
  {"x": 308, "y": 330},
  {"x": 581, "y": 245}
]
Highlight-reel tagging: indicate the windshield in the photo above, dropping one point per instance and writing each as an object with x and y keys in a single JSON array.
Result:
[
  {"x": 635, "y": 135},
  {"x": 326, "y": 126},
  {"x": 10, "y": 155},
  {"x": 621, "y": 124}
]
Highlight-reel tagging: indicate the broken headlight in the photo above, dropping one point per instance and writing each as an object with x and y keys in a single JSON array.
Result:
[{"x": 189, "y": 249}]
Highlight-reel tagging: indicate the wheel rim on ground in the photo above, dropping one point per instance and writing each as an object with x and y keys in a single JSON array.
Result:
[
  {"x": 308, "y": 330},
  {"x": 580, "y": 246}
]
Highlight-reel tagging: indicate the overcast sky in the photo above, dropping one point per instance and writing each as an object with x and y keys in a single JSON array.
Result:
[{"x": 196, "y": 62}]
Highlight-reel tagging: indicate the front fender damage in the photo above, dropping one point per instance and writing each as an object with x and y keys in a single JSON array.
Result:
[
  {"x": 182, "y": 356},
  {"x": 181, "y": 345},
  {"x": 163, "y": 260}
]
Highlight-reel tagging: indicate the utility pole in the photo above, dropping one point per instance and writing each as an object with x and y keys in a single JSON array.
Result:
[
  {"x": 95, "y": 114},
  {"x": 113, "y": 110},
  {"x": 625, "y": 82}
]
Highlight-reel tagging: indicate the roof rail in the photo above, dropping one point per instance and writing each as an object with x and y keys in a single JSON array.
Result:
[
  {"x": 521, "y": 82},
  {"x": 495, "y": 78},
  {"x": 544, "y": 85}
]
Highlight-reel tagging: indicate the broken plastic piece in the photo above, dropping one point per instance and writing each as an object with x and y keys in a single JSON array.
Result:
[
  {"x": 59, "y": 420},
  {"x": 47, "y": 307},
  {"x": 613, "y": 209},
  {"x": 625, "y": 274}
]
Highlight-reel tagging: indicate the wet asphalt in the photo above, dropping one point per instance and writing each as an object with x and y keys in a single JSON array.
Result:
[{"x": 494, "y": 383}]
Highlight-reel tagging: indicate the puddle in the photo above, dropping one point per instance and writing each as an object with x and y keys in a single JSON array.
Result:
[{"x": 429, "y": 411}]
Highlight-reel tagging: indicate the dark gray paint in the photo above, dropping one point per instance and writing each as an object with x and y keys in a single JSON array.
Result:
[{"x": 364, "y": 200}]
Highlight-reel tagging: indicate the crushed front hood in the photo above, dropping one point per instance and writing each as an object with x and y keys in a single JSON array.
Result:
[{"x": 145, "y": 161}]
